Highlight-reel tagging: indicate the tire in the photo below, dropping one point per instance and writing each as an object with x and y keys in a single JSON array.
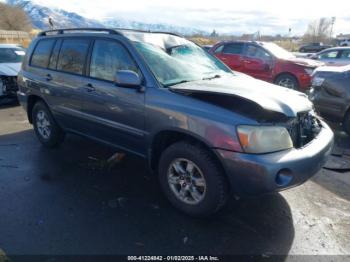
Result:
[
  {"x": 214, "y": 191},
  {"x": 288, "y": 81},
  {"x": 346, "y": 123},
  {"x": 46, "y": 129}
]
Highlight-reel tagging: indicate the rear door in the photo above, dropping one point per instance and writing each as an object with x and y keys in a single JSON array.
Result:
[
  {"x": 37, "y": 72},
  {"x": 66, "y": 68},
  {"x": 231, "y": 54},
  {"x": 257, "y": 62},
  {"x": 113, "y": 113}
]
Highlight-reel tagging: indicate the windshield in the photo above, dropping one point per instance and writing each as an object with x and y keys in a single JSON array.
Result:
[
  {"x": 11, "y": 55},
  {"x": 181, "y": 63},
  {"x": 278, "y": 51}
]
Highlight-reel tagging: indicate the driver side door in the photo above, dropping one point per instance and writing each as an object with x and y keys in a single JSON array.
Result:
[
  {"x": 114, "y": 114},
  {"x": 257, "y": 62}
]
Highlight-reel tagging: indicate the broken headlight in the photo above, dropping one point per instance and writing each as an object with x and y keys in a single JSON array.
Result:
[{"x": 264, "y": 139}]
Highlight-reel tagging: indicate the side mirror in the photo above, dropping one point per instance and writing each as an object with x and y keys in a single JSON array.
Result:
[{"x": 127, "y": 78}]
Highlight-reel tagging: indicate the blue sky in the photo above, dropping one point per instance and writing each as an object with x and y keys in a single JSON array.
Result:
[{"x": 268, "y": 16}]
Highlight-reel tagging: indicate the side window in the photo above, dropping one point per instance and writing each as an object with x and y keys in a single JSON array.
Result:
[
  {"x": 73, "y": 55},
  {"x": 54, "y": 54},
  {"x": 233, "y": 49},
  {"x": 257, "y": 52},
  {"x": 345, "y": 54},
  {"x": 107, "y": 58},
  {"x": 219, "y": 49},
  {"x": 329, "y": 55},
  {"x": 41, "y": 54}
]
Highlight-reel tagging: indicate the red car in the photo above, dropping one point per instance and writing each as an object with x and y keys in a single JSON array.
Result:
[{"x": 267, "y": 61}]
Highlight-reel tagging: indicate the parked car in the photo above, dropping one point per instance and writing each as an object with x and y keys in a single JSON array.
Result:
[
  {"x": 336, "y": 56},
  {"x": 330, "y": 94},
  {"x": 313, "y": 47},
  {"x": 10, "y": 63},
  {"x": 345, "y": 42},
  {"x": 206, "y": 131},
  {"x": 267, "y": 61}
]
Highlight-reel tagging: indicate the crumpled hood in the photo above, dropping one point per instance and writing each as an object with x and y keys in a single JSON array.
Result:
[
  {"x": 266, "y": 95},
  {"x": 306, "y": 62},
  {"x": 9, "y": 69}
]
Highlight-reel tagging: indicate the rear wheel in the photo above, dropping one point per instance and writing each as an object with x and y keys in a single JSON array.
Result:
[
  {"x": 45, "y": 127},
  {"x": 288, "y": 81},
  {"x": 192, "y": 180}
]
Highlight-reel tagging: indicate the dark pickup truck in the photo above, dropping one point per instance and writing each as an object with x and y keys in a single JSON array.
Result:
[
  {"x": 206, "y": 131},
  {"x": 313, "y": 47}
]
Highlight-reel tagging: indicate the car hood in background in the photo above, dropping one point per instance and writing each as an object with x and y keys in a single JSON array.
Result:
[
  {"x": 268, "y": 96},
  {"x": 336, "y": 69},
  {"x": 9, "y": 69},
  {"x": 306, "y": 62}
]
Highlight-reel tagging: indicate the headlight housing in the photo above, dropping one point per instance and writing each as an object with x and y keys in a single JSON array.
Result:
[
  {"x": 264, "y": 139},
  {"x": 317, "y": 81},
  {"x": 309, "y": 71}
]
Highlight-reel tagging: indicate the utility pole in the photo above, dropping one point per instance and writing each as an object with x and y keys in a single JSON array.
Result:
[
  {"x": 51, "y": 25},
  {"x": 331, "y": 33},
  {"x": 290, "y": 38}
]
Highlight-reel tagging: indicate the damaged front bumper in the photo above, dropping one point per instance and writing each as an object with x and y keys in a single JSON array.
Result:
[
  {"x": 251, "y": 174},
  {"x": 8, "y": 86}
]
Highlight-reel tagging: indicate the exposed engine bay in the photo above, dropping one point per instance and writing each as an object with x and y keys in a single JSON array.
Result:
[
  {"x": 303, "y": 128},
  {"x": 8, "y": 86}
]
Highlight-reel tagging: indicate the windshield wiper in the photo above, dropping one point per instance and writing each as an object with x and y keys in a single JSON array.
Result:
[
  {"x": 212, "y": 77},
  {"x": 177, "y": 83}
]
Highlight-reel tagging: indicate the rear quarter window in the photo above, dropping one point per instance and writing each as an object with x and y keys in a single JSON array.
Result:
[
  {"x": 73, "y": 55},
  {"x": 41, "y": 54}
]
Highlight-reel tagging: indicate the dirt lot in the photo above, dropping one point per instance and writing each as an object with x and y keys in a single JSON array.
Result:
[{"x": 67, "y": 201}]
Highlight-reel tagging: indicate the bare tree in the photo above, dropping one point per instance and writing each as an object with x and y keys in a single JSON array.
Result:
[
  {"x": 14, "y": 18},
  {"x": 318, "y": 30}
]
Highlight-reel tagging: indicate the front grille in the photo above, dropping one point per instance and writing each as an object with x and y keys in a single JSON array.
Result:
[{"x": 303, "y": 129}]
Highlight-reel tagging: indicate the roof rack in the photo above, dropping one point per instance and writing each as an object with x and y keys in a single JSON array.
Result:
[
  {"x": 147, "y": 31},
  {"x": 62, "y": 31}
]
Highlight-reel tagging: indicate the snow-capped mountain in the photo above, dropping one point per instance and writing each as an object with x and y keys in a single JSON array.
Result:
[{"x": 39, "y": 16}]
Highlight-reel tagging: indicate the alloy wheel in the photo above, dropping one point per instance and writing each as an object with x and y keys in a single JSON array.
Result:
[
  {"x": 43, "y": 124},
  {"x": 186, "y": 181}
]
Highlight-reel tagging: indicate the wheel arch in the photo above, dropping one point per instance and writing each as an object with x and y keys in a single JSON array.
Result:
[
  {"x": 163, "y": 139},
  {"x": 32, "y": 100}
]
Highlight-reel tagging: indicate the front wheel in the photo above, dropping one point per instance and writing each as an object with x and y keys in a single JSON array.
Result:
[
  {"x": 287, "y": 81},
  {"x": 192, "y": 180},
  {"x": 45, "y": 127}
]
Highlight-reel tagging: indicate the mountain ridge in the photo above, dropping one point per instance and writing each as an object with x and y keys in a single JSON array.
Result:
[{"x": 61, "y": 18}]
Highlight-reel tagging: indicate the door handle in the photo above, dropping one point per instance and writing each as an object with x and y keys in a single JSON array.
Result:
[
  {"x": 89, "y": 87},
  {"x": 48, "y": 77},
  {"x": 247, "y": 61}
]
